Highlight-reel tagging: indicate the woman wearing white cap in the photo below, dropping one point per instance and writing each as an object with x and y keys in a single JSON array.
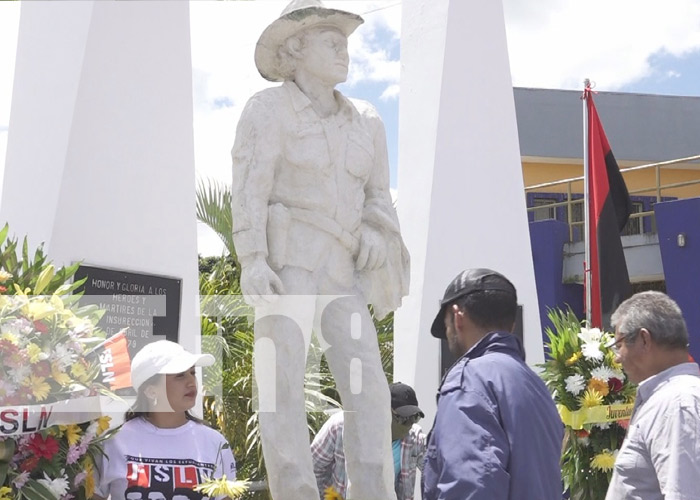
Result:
[{"x": 161, "y": 447}]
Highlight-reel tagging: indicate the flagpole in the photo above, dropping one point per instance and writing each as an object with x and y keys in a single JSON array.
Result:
[{"x": 586, "y": 207}]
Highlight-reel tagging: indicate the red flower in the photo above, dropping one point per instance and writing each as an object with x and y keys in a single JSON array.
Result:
[
  {"x": 3, "y": 289},
  {"x": 624, "y": 423},
  {"x": 8, "y": 347},
  {"x": 43, "y": 447},
  {"x": 15, "y": 359},
  {"x": 29, "y": 464},
  {"x": 42, "y": 369},
  {"x": 41, "y": 326},
  {"x": 582, "y": 433},
  {"x": 614, "y": 384}
]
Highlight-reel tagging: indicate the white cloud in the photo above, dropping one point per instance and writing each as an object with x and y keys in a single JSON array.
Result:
[
  {"x": 224, "y": 74},
  {"x": 552, "y": 44},
  {"x": 391, "y": 92},
  {"x": 559, "y": 43}
]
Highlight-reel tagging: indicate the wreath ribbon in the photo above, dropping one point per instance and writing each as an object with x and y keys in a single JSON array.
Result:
[
  {"x": 28, "y": 419},
  {"x": 595, "y": 415}
]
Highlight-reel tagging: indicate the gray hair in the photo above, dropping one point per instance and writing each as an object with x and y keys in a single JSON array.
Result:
[{"x": 656, "y": 312}]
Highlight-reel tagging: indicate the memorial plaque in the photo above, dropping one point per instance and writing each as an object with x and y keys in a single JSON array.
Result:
[{"x": 148, "y": 305}]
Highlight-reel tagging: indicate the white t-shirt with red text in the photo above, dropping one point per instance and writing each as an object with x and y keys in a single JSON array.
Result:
[{"x": 145, "y": 462}]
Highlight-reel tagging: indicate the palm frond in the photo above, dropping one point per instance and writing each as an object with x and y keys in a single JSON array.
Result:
[{"x": 214, "y": 210}]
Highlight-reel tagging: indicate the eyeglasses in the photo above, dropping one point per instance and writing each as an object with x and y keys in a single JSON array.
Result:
[
  {"x": 406, "y": 420},
  {"x": 615, "y": 346}
]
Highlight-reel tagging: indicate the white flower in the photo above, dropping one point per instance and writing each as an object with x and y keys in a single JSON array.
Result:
[
  {"x": 603, "y": 426},
  {"x": 590, "y": 335},
  {"x": 10, "y": 328},
  {"x": 63, "y": 356},
  {"x": 58, "y": 486},
  {"x": 603, "y": 373},
  {"x": 591, "y": 350},
  {"x": 584, "y": 441},
  {"x": 20, "y": 373},
  {"x": 90, "y": 432},
  {"x": 619, "y": 375},
  {"x": 575, "y": 384}
]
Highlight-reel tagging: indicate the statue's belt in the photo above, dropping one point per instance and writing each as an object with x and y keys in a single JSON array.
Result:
[{"x": 320, "y": 221}]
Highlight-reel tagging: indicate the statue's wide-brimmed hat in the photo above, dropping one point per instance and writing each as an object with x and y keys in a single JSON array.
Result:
[{"x": 298, "y": 15}]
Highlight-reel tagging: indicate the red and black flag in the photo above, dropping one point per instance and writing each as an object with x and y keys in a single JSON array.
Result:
[
  {"x": 610, "y": 207},
  {"x": 114, "y": 360}
]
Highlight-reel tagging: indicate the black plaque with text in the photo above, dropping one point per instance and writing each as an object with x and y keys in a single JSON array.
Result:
[{"x": 148, "y": 305}]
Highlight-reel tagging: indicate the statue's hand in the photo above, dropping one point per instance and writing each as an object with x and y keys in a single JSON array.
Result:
[
  {"x": 372, "y": 254},
  {"x": 259, "y": 283}
]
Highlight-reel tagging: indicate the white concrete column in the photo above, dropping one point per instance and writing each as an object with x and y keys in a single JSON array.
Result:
[
  {"x": 461, "y": 198},
  {"x": 100, "y": 155}
]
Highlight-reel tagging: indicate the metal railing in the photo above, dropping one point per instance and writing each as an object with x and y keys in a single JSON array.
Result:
[{"x": 570, "y": 202}]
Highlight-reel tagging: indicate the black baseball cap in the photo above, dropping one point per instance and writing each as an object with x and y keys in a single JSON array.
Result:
[
  {"x": 465, "y": 283},
  {"x": 404, "y": 401}
]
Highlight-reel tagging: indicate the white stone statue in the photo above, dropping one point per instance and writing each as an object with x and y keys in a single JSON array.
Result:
[{"x": 313, "y": 216}]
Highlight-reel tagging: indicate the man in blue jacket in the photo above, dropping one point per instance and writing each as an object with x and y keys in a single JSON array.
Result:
[{"x": 497, "y": 434}]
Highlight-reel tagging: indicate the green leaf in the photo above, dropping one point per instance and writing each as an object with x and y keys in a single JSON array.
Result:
[
  {"x": 44, "y": 279},
  {"x": 34, "y": 490},
  {"x": 213, "y": 204},
  {"x": 3, "y": 235},
  {"x": 25, "y": 255},
  {"x": 3, "y": 472}
]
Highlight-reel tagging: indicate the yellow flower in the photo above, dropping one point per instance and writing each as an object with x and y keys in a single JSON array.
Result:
[
  {"x": 599, "y": 385},
  {"x": 331, "y": 494},
  {"x": 5, "y": 493},
  {"x": 103, "y": 424},
  {"x": 59, "y": 375},
  {"x": 591, "y": 398},
  {"x": 615, "y": 366},
  {"x": 38, "y": 309},
  {"x": 39, "y": 387},
  {"x": 34, "y": 352},
  {"x": 574, "y": 358},
  {"x": 10, "y": 337},
  {"x": 72, "y": 432},
  {"x": 604, "y": 461},
  {"x": 4, "y": 276},
  {"x": 89, "y": 483},
  {"x": 222, "y": 488},
  {"x": 78, "y": 370}
]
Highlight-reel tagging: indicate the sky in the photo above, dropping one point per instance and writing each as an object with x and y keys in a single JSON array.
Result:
[{"x": 642, "y": 46}]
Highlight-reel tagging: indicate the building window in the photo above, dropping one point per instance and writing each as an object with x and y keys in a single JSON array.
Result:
[
  {"x": 543, "y": 212},
  {"x": 634, "y": 225}
]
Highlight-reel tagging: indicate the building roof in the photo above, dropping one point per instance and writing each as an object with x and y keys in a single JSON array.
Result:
[{"x": 639, "y": 127}]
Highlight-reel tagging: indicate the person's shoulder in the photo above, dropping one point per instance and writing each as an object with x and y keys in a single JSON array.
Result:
[
  {"x": 266, "y": 99},
  {"x": 205, "y": 431},
  {"x": 362, "y": 106},
  {"x": 135, "y": 425},
  {"x": 682, "y": 391},
  {"x": 335, "y": 421},
  {"x": 365, "y": 109}
]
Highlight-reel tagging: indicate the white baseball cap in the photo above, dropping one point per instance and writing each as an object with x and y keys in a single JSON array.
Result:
[{"x": 164, "y": 357}]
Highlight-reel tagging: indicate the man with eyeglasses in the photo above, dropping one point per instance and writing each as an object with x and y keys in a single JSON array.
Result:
[
  {"x": 660, "y": 457},
  {"x": 408, "y": 444}
]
